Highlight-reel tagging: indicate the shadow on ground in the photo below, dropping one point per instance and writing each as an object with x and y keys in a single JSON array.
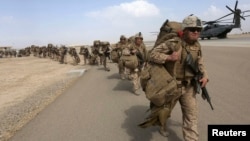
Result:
[
  {"x": 124, "y": 85},
  {"x": 136, "y": 115},
  {"x": 114, "y": 76},
  {"x": 173, "y": 135}
]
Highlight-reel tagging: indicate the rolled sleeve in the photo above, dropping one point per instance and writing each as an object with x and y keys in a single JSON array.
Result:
[{"x": 160, "y": 53}]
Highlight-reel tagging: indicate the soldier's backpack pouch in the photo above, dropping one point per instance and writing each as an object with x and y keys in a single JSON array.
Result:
[
  {"x": 114, "y": 56},
  {"x": 157, "y": 83},
  {"x": 130, "y": 61},
  {"x": 145, "y": 76}
]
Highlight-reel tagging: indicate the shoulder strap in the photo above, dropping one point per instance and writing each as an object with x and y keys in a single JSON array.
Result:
[{"x": 199, "y": 52}]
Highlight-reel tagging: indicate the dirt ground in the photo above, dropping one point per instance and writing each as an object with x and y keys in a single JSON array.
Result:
[{"x": 27, "y": 85}]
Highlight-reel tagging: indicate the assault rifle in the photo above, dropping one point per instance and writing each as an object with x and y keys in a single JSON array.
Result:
[
  {"x": 198, "y": 75},
  {"x": 140, "y": 58},
  {"x": 107, "y": 52}
]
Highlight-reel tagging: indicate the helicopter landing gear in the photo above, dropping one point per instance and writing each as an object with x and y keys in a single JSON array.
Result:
[{"x": 222, "y": 36}]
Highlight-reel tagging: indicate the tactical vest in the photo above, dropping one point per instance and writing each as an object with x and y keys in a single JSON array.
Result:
[
  {"x": 140, "y": 48},
  {"x": 182, "y": 71},
  {"x": 121, "y": 46}
]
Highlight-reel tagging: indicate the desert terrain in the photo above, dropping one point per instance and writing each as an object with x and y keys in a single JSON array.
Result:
[{"x": 28, "y": 84}]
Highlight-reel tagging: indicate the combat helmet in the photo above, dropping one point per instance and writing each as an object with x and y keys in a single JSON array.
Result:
[
  {"x": 191, "y": 21},
  {"x": 139, "y": 35},
  {"x": 122, "y": 37},
  {"x": 105, "y": 43},
  {"x": 97, "y": 42}
]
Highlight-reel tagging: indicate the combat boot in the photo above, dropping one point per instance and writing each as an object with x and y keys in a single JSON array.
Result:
[
  {"x": 163, "y": 131},
  {"x": 129, "y": 77},
  {"x": 122, "y": 76},
  {"x": 107, "y": 69},
  {"x": 164, "y": 114},
  {"x": 136, "y": 92}
]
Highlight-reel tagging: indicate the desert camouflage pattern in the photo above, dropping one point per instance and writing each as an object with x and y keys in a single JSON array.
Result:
[
  {"x": 74, "y": 55},
  {"x": 191, "y": 21},
  {"x": 104, "y": 52},
  {"x": 62, "y": 51},
  {"x": 84, "y": 51}
]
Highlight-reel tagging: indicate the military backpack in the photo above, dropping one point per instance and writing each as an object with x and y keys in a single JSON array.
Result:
[{"x": 157, "y": 80}]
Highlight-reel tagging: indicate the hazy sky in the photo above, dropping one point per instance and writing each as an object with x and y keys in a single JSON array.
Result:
[{"x": 74, "y": 22}]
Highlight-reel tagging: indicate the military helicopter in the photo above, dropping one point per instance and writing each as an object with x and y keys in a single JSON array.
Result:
[{"x": 214, "y": 29}]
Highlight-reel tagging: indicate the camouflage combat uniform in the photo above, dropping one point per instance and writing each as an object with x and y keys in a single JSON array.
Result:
[
  {"x": 140, "y": 51},
  {"x": 122, "y": 44},
  {"x": 63, "y": 55},
  {"x": 184, "y": 76},
  {"x": 103, "y": 53},
  {"x": 95, "y": 56},
  {"x": 74, "y": 55},
  {"x": 85, "y": 52}
]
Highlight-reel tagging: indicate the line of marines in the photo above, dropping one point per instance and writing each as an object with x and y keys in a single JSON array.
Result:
[
  {"x": 128, "y": 53},
  {"x": 175, "y": 44}
]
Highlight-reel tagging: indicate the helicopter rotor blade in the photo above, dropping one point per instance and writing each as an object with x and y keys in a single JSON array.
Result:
[
  {"x": 235, "y": 13},
  {"x": 235, "y": 7},
  {"x": 245, "y": 11},
  {"x": 247, "y": 16},
  {"x": 154, "y": 32},
  {"x": 224, "y": 20},
  {"x": 224, "y": 16},
  {"x": 236, "y": 4}
]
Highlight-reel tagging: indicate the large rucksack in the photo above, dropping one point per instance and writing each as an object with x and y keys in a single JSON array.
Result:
[
  {"x": 168, "y": 30},
  {"x": 129, "y": 61},
  {"x": 114, "y": 56},
  {"x": 157, "y": 81}
]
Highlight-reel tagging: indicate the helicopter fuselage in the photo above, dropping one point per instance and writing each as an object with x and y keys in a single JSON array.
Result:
[{"x": 215, "y": 30}]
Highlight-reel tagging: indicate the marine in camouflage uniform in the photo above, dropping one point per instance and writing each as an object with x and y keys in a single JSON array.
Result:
[
  {"x": 104, "y": 53},
  {"x": 62, "y": 52},
  {"x": 44, "y": 51},
  {"x": 137, "y": 48},
  {"x": 1, "y": 54},
  {"x": 85, "y": 52},
  {"x": 49, "y": 49},
  {"x": 189, "y": 44},
  {"x": 118, "y": 48},
  {"x": 27, "y": 51},
  {"x": 94, "y": 56},
  {"x": 74, "y": 55}
]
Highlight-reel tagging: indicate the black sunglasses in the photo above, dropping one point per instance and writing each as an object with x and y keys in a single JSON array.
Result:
[{"x": 193, "y": 29}]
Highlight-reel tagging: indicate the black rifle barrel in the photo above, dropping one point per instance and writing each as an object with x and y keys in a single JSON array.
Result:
[{"x": 194, "y": 67}]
